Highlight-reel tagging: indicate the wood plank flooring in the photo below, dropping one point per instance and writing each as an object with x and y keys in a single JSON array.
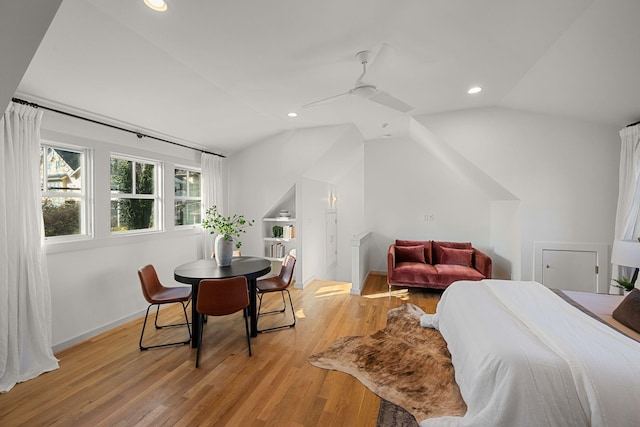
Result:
[{"x": 108, "y": 381}]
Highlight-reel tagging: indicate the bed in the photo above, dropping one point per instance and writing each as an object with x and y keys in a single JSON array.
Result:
[{"x": 525, "y": 357}]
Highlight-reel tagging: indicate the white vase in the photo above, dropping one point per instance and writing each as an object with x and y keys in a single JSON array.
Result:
[{"x": 223, "y": 250}]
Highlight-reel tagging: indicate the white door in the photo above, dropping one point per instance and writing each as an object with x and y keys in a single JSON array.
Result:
[
  {"x": 332, "y": 240},
  {"x": 570, "y": 270}
]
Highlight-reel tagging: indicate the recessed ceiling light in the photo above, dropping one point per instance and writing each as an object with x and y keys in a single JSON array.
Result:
[
  {"x": 475, "y": 89},
  {"x": 157, "y": 5},
  {"x": 292, "y": 114}
]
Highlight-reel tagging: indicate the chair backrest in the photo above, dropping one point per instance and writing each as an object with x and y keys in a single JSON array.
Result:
[
  {"x": 286, "y": 272},
  {"x": 149, "y": 282},
  {"x": 218, "y": 297}
]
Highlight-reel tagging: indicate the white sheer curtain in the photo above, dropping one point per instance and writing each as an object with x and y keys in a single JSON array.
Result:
[
  {"x": 25, "y": 300},
  {"x": 627, "y": 214},
  {"x": 212, "y": 192}
]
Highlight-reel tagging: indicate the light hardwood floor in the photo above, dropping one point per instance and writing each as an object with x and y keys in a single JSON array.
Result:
[{"x": 108, "y": 381}]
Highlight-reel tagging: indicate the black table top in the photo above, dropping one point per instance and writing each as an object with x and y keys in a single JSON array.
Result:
[{"x": 194, "y": 271}]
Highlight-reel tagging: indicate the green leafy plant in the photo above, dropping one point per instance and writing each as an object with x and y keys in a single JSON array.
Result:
[
  {"x": 623, "y": 283},
  {"x": 229, "y": 227}
]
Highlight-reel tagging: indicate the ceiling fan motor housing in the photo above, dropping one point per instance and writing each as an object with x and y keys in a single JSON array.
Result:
[{"x": 364, "y": 91}]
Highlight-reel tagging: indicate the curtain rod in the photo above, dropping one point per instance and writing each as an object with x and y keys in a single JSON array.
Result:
[{"x": 140, "y": 135}]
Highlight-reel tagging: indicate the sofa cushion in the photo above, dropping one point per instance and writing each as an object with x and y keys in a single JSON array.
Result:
[
  {"x": 449, "y": 273},
  {"x": 628, "y": 312},
  {"x": 425, "y": 243},
  {"x": 437, "y": 249},
  {"x": 456, "y": 256},
  {"x": 414, "y": 273},
  {"x": 410, "y": 254}
]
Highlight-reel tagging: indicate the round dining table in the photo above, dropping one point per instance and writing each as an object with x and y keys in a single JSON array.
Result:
[{"x": 193, "y": 272}]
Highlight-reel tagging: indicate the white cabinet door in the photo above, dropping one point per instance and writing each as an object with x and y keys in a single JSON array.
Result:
[{"x": 570, "y": 270}]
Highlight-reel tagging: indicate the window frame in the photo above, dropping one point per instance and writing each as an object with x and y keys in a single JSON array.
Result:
[
  {"x": 186, "y": 198},
  {"x": 157, "y": 196},
  {"x": 85, "y": 194}
]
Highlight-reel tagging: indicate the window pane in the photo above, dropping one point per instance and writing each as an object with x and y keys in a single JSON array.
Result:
[
  {"x": 180, "y": 182},
  {"x": 187, "y": 212},
  {"x": 61, "y": 216},
  {"x": 121, "y": 176},
  {"x": 145, "y": 178},
  {"x": 194, "y": 184},
  {"x": 63, "y": 170},
  {"x": 132, "y": 214}
]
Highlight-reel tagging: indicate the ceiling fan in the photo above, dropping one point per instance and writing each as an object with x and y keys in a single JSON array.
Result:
[{"x": 366, "y": 90}]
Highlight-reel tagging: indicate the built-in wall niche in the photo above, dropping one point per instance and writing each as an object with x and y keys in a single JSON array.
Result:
[{"x": 279, "y": 230}]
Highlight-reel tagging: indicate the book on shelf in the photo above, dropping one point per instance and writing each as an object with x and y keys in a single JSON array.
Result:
[
  {"x": 288, "y": 231},
  {"x": 276, "y": 250},
  {"x": 285, "y": 232}
]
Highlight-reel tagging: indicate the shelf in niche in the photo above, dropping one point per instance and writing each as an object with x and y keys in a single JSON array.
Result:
[
  {"x": 279, "y": 239},
  {"x": 280, "y": 219}
]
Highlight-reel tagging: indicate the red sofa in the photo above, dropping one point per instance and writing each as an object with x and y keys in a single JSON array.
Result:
[{"x": 432, "y": 264}]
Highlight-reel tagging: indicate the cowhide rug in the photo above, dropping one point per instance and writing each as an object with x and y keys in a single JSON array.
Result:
[{"x": 404, "y": 363}]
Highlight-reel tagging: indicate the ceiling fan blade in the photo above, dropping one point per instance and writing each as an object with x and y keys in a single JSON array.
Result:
[
  {"x": 387, "y": 100},
  {"x": 382, "y": 60},
  {"x": 325, "y": 100}
]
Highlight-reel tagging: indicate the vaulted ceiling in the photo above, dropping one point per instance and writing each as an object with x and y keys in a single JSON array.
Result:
[{"x": 224, "y": 74}]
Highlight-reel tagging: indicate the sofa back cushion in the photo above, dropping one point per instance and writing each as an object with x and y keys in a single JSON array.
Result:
[
  {"x": 437, "y": 249},
  {"x": 410, "y": 254},
  {"x": 451, "y": 256},
  {"x": 425, "y": 244}
]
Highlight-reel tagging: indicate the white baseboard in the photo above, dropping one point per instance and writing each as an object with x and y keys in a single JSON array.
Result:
[{"x": 95, "y": 332}]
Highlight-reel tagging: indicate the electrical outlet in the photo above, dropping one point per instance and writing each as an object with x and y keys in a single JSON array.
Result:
[{"x": 428, "y": 217}]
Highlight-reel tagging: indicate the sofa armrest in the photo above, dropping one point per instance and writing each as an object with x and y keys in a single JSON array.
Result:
[
  {"x": 482, "y": 263},
  {"x": 391, "y": 260}
]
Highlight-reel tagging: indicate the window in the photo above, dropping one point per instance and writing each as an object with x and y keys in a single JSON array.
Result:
[
  {"x": 135, "y": 200},
  {"x": 188, "y": 199},
  {"x": 63, "y": 181}
]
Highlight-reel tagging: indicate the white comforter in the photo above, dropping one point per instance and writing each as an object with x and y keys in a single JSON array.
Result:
[{"x": 524, "y": 357}]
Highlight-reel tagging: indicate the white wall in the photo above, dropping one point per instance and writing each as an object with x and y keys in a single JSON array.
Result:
[
  {"x": 23, "y": 24},
  {"x": 94, "y": 284},
  {"x": 315, "y": 160},
  {"x": 403, "y": 183},
  {"x": 350, "y": 205},
  {"x": 564, "y": 172}
]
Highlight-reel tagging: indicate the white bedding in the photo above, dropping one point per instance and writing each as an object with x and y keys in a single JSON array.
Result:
[{"x": 524, "y": 357}]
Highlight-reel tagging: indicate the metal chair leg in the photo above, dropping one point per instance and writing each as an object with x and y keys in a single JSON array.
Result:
[
  {"x": 293, "y": 313},
  {"x": 169, "y": 326},
  {"x": 284, "y": 305},
  {"x": 246, "y": 327},
  {"x": 144, "y": 325}
]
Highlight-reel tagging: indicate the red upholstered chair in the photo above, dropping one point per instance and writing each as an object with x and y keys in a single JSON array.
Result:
[
  {"x": 280, "y": 284},
  {"x": 219, "y": 297},
  {"x": 157, "y": 294}
]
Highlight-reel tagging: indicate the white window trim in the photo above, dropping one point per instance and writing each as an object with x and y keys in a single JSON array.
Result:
[
  {"x": 158, "y": 196},
  {"x": 186, "y": 198},
  {"x": 85, "y": 195}
]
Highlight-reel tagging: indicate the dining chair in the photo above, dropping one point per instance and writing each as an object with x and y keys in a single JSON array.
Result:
[
  {"x": 157, "y": 294},
  {"x": 220, "y": 297},
  {"x": 278, "y": 283}
]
